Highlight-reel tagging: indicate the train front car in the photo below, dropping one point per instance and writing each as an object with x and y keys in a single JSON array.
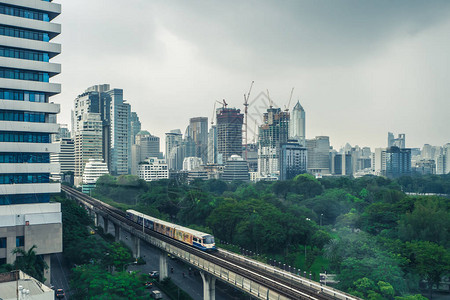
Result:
[{"x": 208, "y": 243}]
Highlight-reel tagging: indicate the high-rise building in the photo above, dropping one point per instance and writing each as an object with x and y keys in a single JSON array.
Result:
[
  {"x": 146, "y": 146},
  {"x": 398, "y": 162},
  {"x": 173, "y": 139},
  {"x": 293, "y": 159},
  {"x": 115, "y": 114},
  {"x": 318, "y": 155},
  {"x": 87, "y": 142},
  {"x": 192, "y": 163},
  {"x": 27, "y": 120},
  {"x": 135, "y": 126},
  {"x": 379, "y": 161},
  {"x": 273, "y": 133},
  {"x": 65, "y": 157},
  {"x": 198, "y": 132},
  {"x": 229, "y": 132},
  {"x": 343, "y": 164},
  {"x": 297, "y": 124},
  {"x": 212, "y": 146}
]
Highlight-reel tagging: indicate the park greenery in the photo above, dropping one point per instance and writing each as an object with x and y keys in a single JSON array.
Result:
[
  {"x": 99, "y": 266},
  {"x": 381, "y": 242}
]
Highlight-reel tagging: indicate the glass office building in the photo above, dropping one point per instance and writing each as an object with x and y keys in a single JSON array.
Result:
[{"x": 27, "y": 120}]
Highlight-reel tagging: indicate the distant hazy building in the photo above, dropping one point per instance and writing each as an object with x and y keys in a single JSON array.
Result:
[
  {"x": 192, "y": 163},
  {"x": 398, "y": 162},
  {"x": 63, "y": 132},
  {"x": 379, "y": 161},
  {"x": 399, "y": 142},
  {"x": 297, "y": 129},
  {"x": 252, "y": 157},
  {"x": 212, "y": 146},
  {"x": 318, "y": 155},
  {"x": 229, "y": 132},
  {"x": 173, "y": 139},
  {"x": 87, "y": 142},
  {"x": 236, "y": 168},
  {"x": 153, "y": 168},
  {"x": 198, "y": 132},
  {"x": 135, "y": 126},
  {"x": 65, "y": 157},
  {"x": 293, "y": 159},
  {"x": 94, "y": 169},
  {"x": 272, "y": 133},
  {"x": 425, "y": 167},
  {"x": 343, "y": 164}
]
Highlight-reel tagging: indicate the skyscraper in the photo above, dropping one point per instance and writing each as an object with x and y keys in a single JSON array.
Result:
[
  {"x": 297, "y": 124},
  {"x": 212, "y": 145},
  {"x": 135, "y": 126},
  {"x": 400, "y": 141},
  {"x": 398, "y": 162},
  {"x": 272, "y": 134},
  {"x": 115, "y": 115},
  {"x": 173, "y": 142},
  {"x": 229, "y": 132},
  {"x": 198, "y": 132},
  {"x": 27, "y": 120},
  {"x": 293, "y": 159},
  {"x": 318, "y": 155}
]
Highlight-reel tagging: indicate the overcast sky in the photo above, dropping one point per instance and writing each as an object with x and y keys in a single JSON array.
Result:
[{"x": 359, "y": 68}]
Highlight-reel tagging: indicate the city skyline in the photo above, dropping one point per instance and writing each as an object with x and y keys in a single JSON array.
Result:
[{"x": 357, "y": 78}]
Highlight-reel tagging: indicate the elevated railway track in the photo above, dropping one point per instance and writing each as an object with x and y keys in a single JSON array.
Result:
[{"x": 267, "y": 282}]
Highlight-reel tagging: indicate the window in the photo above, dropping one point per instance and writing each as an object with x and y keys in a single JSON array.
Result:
[
  {"x": 24, "y": 75},
  {"x": 24, "y": 137},
  {"x": 24, "y": 54},
  {"x": 24, "y": 199},
  {"x": 24, "y": 157},
  {"x": 22, "y": 116},
  {"x": 24, "y": 13},
  {"x": 2, "y": 243},
  {"x": 20, "y": 241}
]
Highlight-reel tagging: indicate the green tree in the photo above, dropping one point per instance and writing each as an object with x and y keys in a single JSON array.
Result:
[
  {"x": 430, "y": 261},
  {"x": 30, "y": 263}
]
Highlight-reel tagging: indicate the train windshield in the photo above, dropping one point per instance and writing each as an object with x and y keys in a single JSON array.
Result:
[{"x": 209, "y": 239}]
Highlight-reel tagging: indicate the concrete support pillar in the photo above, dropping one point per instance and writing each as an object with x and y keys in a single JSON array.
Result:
[
  {"x": 163, "y": 270},
  {"x": 117, "y": 233},
  {"x": 136, "y": 246},
  {"x": 209, "y": 286},
  {"x": 47, "y": 273},
  {"x": 105, "y": 225},
  {"x": 95, "y": 216}
]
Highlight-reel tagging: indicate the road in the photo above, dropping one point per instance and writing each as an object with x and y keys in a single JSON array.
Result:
[
  {"x": 60, "y": 274},
  {"x": 191, "y": 284}
]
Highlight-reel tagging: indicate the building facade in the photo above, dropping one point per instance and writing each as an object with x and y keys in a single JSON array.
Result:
[
  {"x": 229, "y": 132},
  {"x": 297, "y": 125},
  {"x": 27, "y": 121},
  {"x": 293, "y": 159},
  {"x": 198, "y": 132},
  {"x": 94, "y": 169},
  {"x": 318, "y": 155},
  {"x": 236, "y": 168},
  {"x": 272, "y": 134},
  {"x": 153, "y": 168}
]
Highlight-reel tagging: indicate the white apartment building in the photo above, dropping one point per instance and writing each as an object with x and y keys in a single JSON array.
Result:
[{"x": 153, "y": 169}]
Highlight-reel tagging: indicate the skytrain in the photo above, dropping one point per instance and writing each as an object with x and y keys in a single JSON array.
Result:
[{"x": 197, "y": 239}]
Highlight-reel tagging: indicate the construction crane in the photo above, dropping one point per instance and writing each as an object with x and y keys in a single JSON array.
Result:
[
  {"x": 286, "y": 108},
  {"x": 224, "y": 103},
  {"x": 246, "y": 97},
  {"x": 270, "y": 100},
  {"x": 214, "y": 112}
]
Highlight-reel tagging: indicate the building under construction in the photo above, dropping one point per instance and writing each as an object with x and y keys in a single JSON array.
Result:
[
  {"x": 229, "y": 132},
  {"x": 273, "y": 133}
]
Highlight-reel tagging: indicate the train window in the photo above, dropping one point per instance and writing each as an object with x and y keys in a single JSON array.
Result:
[{"x": 209, "y": 239}]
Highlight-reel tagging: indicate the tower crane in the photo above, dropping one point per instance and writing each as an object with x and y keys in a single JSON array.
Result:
[
  {"x": 213, "y": 115},
  {"x": 224, "y": 103},
  {"x": 286, "y": 108},
  {"x": 270, "y": 100},
  {"x": 246, "y": 97}
]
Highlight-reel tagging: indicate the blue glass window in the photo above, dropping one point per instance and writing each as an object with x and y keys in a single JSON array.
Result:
[
  {"x": 24, "y": 54},
  {"x": 24, "y": 137},
  {"x": 23, "y": 157},
  {"x": 24, "y": 75},
  {"x": 24, "y": 198},
  {"x": 20, "y": 241},
  {"x": 3, "y": 242},
  {"x": 24, "y": 33},
  {"x": 24, "y": 13},
  {"x": 22, "y": 116},
  {"x": 24, "y": 178},
  {"x": 23, "y": 95}
]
